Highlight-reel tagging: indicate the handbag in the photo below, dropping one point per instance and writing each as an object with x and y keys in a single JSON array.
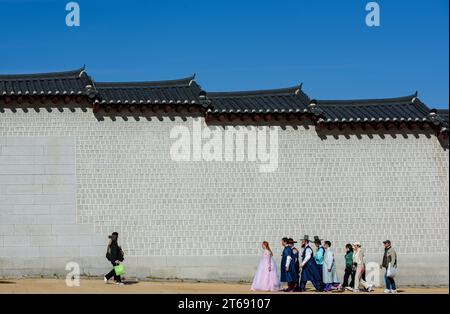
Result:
[
  {"x": 391, "y": 271},
  {"x": 119, "y": 269}
]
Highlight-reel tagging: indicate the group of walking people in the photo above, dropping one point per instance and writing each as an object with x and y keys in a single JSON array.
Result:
[
  {"x": 298, "y": 266},
  {"x": 318, "y": 266}
]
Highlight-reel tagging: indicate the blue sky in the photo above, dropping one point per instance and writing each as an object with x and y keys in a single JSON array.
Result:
[{"x": 240, "y": 45}]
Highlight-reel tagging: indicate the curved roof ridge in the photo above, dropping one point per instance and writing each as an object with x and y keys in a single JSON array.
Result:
[
  {"x": 47, "y": 75},
  {"x": 276, "y": 91},
  {"x": 369, "y": 101},
  {"x": 440, "y": 111},
  {"x": 186, "y": 81}
]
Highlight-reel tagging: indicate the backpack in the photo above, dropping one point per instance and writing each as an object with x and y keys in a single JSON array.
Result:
[
  {"x": 108, "y": 254},
  {"x": 121, "y": 254}
]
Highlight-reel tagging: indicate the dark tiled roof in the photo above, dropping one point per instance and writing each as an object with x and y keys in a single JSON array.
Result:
[
  {"x": 440, "y": 117},
  {"x": 187, "y": 91},
  {"x": 182, "y": 91},
  {"x": 443, "y": 115},
  {"x": 408, "y": 108},
  {"x": 274, "y": 101},
  {"x": 75, "y": 82}
]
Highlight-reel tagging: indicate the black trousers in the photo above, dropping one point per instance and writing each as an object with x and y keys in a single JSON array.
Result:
[
  {"x": 349, "y": 273},
  {"x": 112, "y": 273}
]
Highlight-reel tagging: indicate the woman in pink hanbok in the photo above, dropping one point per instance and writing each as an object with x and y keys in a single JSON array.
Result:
[{"x": 266, "y": 278}]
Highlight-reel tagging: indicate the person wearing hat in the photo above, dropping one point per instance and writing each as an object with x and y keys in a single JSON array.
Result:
[
  {"x": 114, "y": 254},
  {"x": 389, "y": 260},
  {"x": 310, "y": 271},
  {"x": 319, "y": 257},
  {"x": 295, "y": 254},
  {"x": 358, "y": 262},
  {"x": 288, "y": 273}
]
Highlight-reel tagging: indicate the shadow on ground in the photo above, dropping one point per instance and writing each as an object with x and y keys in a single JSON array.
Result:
[
  {"x": 3, "y": 282},
  {"x": 130, "y": 282}
]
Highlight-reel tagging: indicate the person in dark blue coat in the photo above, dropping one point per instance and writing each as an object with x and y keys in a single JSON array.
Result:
[
  {"x": 288, "y": 272},
  {"x": 310, "y": 271},
  {"x": 296, "y": 256}
]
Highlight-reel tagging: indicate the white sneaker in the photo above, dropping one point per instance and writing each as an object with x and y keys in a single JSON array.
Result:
[
  {"x": 349, "y": 288},
  {"x": 105, "y": 280},
  {"x": 394, "y": 291},
  {"x": 356, "y": 290},
  {"x": 119, "y": 283},
  {"x": 387, "y": 291}
]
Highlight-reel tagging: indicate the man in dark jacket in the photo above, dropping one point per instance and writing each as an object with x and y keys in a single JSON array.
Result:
[
  {"x": 288, "y": 273},
  {"x": 310, "y": 271},
  {"x": 389, "y": 260},
  {"x": 114, "y": 254}
]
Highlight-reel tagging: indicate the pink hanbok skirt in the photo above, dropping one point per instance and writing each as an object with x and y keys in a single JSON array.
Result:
[{"x": 266, "y": 277}]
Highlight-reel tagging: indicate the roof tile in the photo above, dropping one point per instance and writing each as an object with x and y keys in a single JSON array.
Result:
[
  {"x": 55, "y": 83},
  {"x": 276, "y": 100},
  {"x": 387, "y": 109}
]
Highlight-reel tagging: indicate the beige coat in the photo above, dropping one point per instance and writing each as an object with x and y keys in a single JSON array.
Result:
[{"x": 358, "y": 257}]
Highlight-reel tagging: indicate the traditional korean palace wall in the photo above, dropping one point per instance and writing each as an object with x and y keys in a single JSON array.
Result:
[{"x": 68, "y": 180}]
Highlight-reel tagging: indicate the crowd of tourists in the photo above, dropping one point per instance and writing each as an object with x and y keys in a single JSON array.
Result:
[
  {"x": 318, "y": 266},
  {"x": 298, "y": 266}
]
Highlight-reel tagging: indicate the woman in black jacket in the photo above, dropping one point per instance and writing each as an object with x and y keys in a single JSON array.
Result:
[{"x": 114, "y": 254}]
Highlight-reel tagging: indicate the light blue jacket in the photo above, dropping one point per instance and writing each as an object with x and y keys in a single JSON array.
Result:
[{"x": 319, "y": 256}]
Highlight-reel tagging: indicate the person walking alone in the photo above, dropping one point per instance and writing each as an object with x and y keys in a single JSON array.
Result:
[
  {"x": 390, "y": 264},
  {"x": 115, "y": 255}
]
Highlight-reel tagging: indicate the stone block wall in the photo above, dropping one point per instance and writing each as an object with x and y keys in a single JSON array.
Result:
[{"x": 68, "y": 180}]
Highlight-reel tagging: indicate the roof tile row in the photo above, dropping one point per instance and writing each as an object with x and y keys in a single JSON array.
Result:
[
  {"x": 187, "y": 91},
  {"x": 75, "y": 82}
]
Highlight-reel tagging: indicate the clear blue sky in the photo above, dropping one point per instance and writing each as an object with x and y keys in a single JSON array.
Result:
[{"x": 240, "y": 45}]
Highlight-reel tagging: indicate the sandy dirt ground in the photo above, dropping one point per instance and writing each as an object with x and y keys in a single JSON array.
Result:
[{"x": 92, "y": 286}]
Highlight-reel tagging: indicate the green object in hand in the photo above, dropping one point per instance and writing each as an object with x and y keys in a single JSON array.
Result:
[{"x": 119, "y": 269}]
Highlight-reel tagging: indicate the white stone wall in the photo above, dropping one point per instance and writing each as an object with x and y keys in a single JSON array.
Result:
[{"x": 68, "y": 180}]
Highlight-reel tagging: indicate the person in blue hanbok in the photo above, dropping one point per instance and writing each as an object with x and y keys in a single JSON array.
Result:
[
  {"x": 330, "y": 277},
  {"x": 284, "y": 255},
  {"x": 319, "y": 256},
  {"x": 295, "y": 254},
  {"x": 288, "y": 273},
  {"x": 310, "y": 271}
]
